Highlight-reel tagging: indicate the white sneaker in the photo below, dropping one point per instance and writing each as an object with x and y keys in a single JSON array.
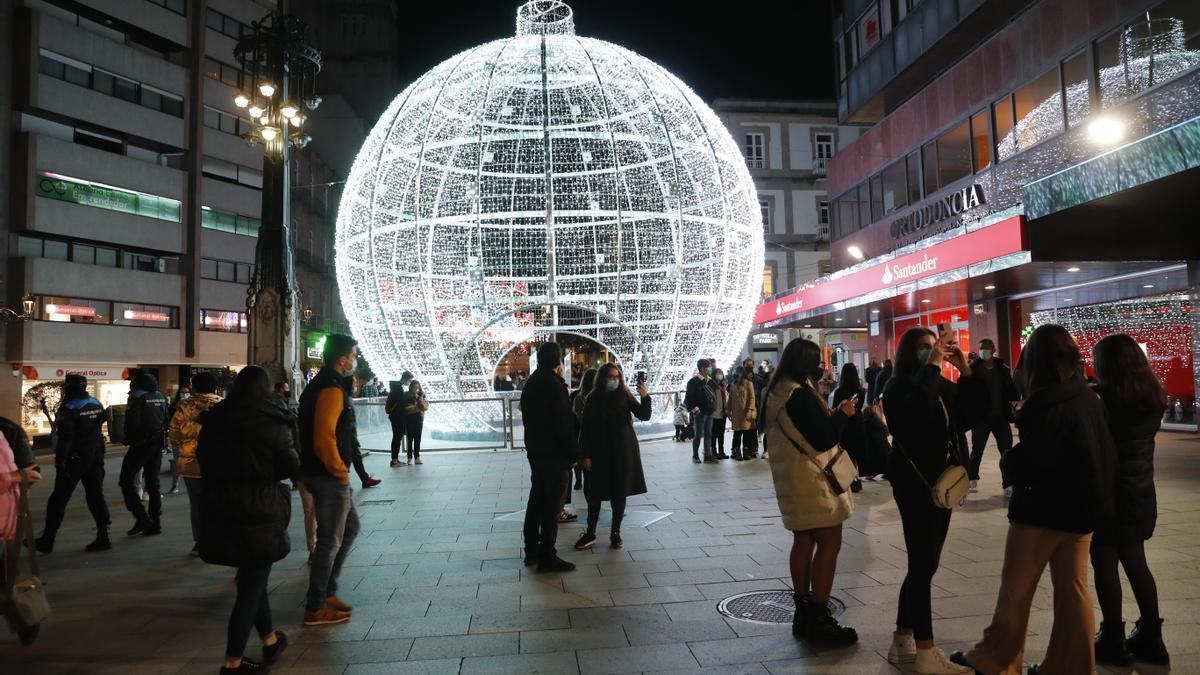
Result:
[
  {"x": 974, "y": 486},
  {"x": 904, "y": 649},
  {"x": 933, "y": 661},
  {"x": 418, "y": 461}
]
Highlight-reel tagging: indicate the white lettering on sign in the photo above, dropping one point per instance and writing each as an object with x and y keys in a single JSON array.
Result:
[
  {"x": 782, "y": 307},
  {"x": 897, "y": 273}
]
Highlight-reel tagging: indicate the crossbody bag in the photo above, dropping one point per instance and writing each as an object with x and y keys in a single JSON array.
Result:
[
  {"x": 951, "y": 487},
  {"x": 839, "y": 472}
]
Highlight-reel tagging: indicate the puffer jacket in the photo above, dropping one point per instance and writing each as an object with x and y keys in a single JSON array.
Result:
[
  {"x": 928, "y": 415},
  {"x": 1136, "y": 500},
  {"x": 245, "y": 449},
  {"x": 185, "y": 429}
]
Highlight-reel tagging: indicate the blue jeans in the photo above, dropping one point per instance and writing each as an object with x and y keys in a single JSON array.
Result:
[
  {"x": 703, "y": 433},
  {"x": 337, "y": 527}
]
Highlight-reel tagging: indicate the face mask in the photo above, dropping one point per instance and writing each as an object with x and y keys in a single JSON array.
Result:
[
  {"x": 353, "y": 366},
  {"x": 923, "y": 354},
  {"x": 708, "y": 371},
  {"x": 720, "y": 378},
  {"x": 985, "y": 354},
  {"x": 611, "y": 385},
  {"x": 184, "y": 395}
]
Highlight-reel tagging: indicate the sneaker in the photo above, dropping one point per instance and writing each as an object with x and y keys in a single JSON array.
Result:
[
  {"x": 555, "y": 564},
  {"x": 933, "y": 661},
  {"x": 371, "y": 482},
  {"x": 586, "y": 540},
  {"x": 101, "y": 543},
  {"x": 271, "y": 653},
  {"x": 904, "y": 649},
  {"x": 396, "y": 463},
  {"x": 615, "y": 540},
  {"x": 418, "y": 461},
  {"x": 247, "y": 666},
  {"x": 566, "y": 516},
  {"x": 336, "y": 603},
  {"x": 139, "y": 526},
  {"x": 974, "y": 487},
  {"x": 325, "y": 615}
]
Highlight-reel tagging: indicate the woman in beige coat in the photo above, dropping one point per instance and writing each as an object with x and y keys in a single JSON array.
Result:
[
  {"x": 743, "y": 415},
  {"x": 803, "y": 436},
  {"x": 183, "y": 433}
]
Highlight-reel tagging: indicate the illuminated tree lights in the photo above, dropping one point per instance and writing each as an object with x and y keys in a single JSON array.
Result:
[{"x": 540, "y": 184}]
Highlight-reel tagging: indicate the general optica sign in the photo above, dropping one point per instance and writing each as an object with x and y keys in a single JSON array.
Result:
[{"x": 1000, "y": 239}]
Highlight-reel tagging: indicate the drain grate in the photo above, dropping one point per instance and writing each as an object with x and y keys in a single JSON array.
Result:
[
  {"x": 768, "y": 607},
  {"x": 377, "y": 502}
]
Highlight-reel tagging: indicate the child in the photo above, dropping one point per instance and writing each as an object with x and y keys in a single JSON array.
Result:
[{"x": 681, "y": 422}]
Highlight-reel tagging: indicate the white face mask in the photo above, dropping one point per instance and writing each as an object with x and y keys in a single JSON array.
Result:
[
  {"x": 611, "y": 385},
  {"x": 985, "y": 354}
]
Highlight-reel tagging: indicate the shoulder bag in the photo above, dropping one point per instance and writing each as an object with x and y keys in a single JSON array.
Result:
[
  {"x": 951, "y": 487},
  {"x": 27, "y": 595},
  {"x": 839, "y": 471}
]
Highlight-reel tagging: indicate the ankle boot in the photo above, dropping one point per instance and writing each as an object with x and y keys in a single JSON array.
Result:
[
  {"x": 100, "y": 543},
  {"x": 1146, "y": 643},
  {"x": 800, "y": 618},
  {"x": 44, "y": 544},
  {"x": 824, "y": 629},
  {"x": 1110, "y": 645}
]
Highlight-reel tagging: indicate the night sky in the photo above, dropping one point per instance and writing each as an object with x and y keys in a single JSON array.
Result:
[{"x": 740, "y": 48}]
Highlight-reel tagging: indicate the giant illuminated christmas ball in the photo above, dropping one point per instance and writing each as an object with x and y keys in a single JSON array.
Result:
[{"x": 540, "y": 185}]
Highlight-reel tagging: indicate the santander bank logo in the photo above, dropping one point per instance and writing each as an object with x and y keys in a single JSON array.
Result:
[
  {"x": 887, "y": 274},
  {"x": 901, "y": 272}
]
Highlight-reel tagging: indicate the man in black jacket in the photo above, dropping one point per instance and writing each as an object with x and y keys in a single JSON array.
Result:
[
  {"x": 1002, "y": 392},
  {"x": 146, "y": 434},
  {"x": 880, "y": 381},
  {"x": 871, "y": 374},
  {"x": 79, "y": 456},
  {"x": 552, "y": 448},
  {"x": 700, "y": 399}
]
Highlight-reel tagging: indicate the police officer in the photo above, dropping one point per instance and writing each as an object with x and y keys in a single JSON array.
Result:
[
  {"x": 78, "y": 457},
  {"x": 145, "y": 434}
]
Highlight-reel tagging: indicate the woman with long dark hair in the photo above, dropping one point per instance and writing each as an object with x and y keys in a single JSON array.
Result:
[
  {"x": 720, "y": 412},
  {"x": 1063, "y": 474},
  {"x": 1135, "y": 401},
  {"x": 854, "y": 434},
  {"x": 609, "y": 449},
  {"x": 743, "y": 413},
  {"x": 578, "y": 398},
  {"x": 928, "y": 415},
  {"x": 247, "y": 445},
  {"x": 802, "y": 432},
  {"x": 394, "y": 408},
  {"x": 415, "y": 405}
]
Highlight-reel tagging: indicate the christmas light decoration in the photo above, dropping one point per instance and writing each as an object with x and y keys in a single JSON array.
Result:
[{"x": 547, "y": 184}]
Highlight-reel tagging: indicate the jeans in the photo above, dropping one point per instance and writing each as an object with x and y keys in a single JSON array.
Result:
[
  {"x": 251, "y": 608},
  {"x": 718, "y": 435},
  {"x": 547, "y": 480},
  {"x": 337, "y": 527},
  {"x": 925, "y": 527},
  {"x": 195, "y": 492},
  {"x": 618, "y": 510},
  {"x": 998, "y": 426},
  {"x": 414, "y": 438},
  {"x": 703, "y": 434},
  {"x": 89, "y": 471},
  {"x": 148, "y": 460},
  {"x": 397, "y": 437}
]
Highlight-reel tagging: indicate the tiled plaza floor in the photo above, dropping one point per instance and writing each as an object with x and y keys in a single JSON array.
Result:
[{"x": 438, "y": 585}]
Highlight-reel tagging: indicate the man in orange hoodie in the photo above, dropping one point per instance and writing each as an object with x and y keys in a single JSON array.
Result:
[{"x": 327, "y": 440}]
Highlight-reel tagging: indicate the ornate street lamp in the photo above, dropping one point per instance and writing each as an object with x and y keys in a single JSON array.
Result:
[
  {"x": 11, "y": 316},
  {"x": 281, "y": 69}
]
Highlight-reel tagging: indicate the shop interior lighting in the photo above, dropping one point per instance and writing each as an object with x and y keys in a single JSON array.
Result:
[
  {"x": 645, "y": 206},
  {"x": 855, "y": 252},
  {"x": 1072, "y": 269},
  {"x": 1148, "y": 286},
  {"x": 926, "y": 300},
  {"x": 1105, "y": 130},
  {"x": 989, "y": 287}
]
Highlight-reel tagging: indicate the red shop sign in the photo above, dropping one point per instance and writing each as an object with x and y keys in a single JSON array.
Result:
[{"x": 1000, "y": 239}]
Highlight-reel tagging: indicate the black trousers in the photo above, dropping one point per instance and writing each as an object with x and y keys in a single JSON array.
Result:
[
  {"x": 148, "y": 460},
  {"x": 548, "y": 480},
  {"x": 397, "y": 437},
  {"x": 718, "y": 435},
  {"x": 998, "y": 426},
  {"x": 89, "y": 471},
  {"x": 251, "y": 608},
  {"x": 618, "y": 510},
  {"x": 358, "y": 466},
  {"x": 743, "y": 441},
  {"x": 413, "y": 433},
  {"x": 925, "y": 527}
]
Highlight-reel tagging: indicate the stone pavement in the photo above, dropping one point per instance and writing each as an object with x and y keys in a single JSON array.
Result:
[{"x": 438, "y": 585}]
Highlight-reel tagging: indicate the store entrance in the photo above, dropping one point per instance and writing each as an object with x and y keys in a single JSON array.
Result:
[
  {"x": 956, "y": 317},
  {"x": 579, "y": 351}
]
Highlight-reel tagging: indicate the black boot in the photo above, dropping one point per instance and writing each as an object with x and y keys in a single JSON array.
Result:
[
  {"x": 101, "y": 543},
  {"x": 1146, "y": 643},
  {"x": 824, "y": 629},
  {"x": 155, "y": 527},
  {"x": 1110, "y": 645},
  {"x": 139, "y": 526},
  {"x": 800, "y": 618},
  {"x": 44, "y": 544}
]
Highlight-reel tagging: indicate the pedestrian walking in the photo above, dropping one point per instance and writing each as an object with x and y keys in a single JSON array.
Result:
[
  {"x": 145, "y": 434},
  {"x": 720, "y": 412},
  {"x": 552, "y": 450},
  {"x": 927, "y": 414},
  {"x": 1135, "y": 401},
  {"x": 1002, "y": 392},
  {"x": 394, "y": 408},
  {"x": 881, "y": 380},
  {"x": 743, "y": 414},
  {"x": 854, "y": 433},
  {"x": 78, "y": 457},
  {"x": 245, "y": 448},
  {"x": 1063, "y": 473},
  {"x": 183, "y": 433},
  {"x": 415, "y": 405},
  {"x": 700, "y": 400},
  {"x": 182, "y": 394},
  {"x": 813, "y": 499},
  {"x": 328, "y": 436},
  {"x": 870, "y": 375},
  {"x": 609, "y": 449},
  {"x": 366, "y": 479}
]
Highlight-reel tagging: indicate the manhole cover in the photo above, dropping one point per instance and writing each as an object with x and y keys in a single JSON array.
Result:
[{"x": 771, "y": 607}]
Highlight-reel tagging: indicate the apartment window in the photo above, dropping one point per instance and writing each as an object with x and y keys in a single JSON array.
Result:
[
  {"x": 895, "y": 189},
  {"x": 141, "y": 262},
  {"x": 224, "y": 321},
  {"x": 755, "y": 151},
  {"x": 768, "y": 287},
  {"x": 981, "y": 144},
  {"x": 177, "y": 6},
  {"x": 72, "y": 310},
  {"x": 145, "y": 316},
  {"x": 823, "y": 211},
  {"x": 1075, "y": 86},
  {"x": 1037, "y": 107},
  {"x": 869, "y": 30},
  {"x": 353, "y": 24},
  {"x": 929, "y": 168},
  {"x": 864, "y": 205},
  {"x": 1002, "y": 113},
  {"x": 912, "y": 166},
  {"x": 109, "y": 84},
  {"x": 94, "y": 255},
  {"x": 222, "y": 121},
  {"x": 98, "y": 141},
  {"x": 824, "y": 145},
  {"x": 223, "y": 72},
  {"x": 226, "y": 25},
  {"x": 846, "y": 214},
  {"x": 876, "y": 183},
  {"x": 954, "y": 155},
  {"x": 229, "y": 222},
  {"x": 764, "y": 207},
  {"x": 56, "y": 250}
]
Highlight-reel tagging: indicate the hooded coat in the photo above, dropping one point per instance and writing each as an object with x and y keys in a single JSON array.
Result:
[
  {"x": 607, "y": 438},
  {"x": 185, "y": 430},
  {"x": 245, "y": 449}
]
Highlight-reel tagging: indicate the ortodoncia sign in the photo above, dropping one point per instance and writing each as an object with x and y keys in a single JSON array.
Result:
[{"x": 932, "y": 213}]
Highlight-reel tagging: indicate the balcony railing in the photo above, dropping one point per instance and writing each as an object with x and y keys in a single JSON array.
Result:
[
  {"x": 823, "y": 233},
  {"x": 819, "y": 165},
  {"x": 755, "y": 163}
]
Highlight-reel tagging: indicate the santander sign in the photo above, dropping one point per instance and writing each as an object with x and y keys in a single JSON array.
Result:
[{"x": 999, "y": 239}]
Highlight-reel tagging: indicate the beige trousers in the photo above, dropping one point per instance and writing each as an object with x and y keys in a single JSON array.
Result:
[{"x": 1026, "y": 553}]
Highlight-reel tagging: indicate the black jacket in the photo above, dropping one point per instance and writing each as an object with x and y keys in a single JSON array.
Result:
[
  {"x": 699, "y": 395},
  {"x": 346, "y": 431},
  {"x": 606, "y": 436},
  {"x": 18, "y": 440},
  {"x": 1063, "y": 470},
  {"x": 1136, "y": 500},
  {"x": 550, "y": 427},
  {"x": 80, "y": 436},
  {"x": 1008, "y": 388},
  {"x": 919, "y": 424},
  {"x": 881, "y": 380},
  {"x": 146, "y": 415},
  {"x": 854, "y": 433},
  {"x": 870, "y": 375},
  {"x": 244, "y": 451}
]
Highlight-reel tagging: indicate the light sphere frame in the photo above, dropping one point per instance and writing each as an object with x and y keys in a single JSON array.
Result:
[{"x": 547, "y": 184}]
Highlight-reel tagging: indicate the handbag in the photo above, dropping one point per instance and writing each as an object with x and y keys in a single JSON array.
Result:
[
  {"x": 27, "y": 595},
  {"x": 951, "y": 487},
  {"x": 839, "y": 471}
]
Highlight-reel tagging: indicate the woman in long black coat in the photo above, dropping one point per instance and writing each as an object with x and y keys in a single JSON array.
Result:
[
  {"x": 609, "y": 449},
  {"x": 247, "y": 445}
]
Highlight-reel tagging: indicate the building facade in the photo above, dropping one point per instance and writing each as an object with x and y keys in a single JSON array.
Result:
[
  {"x": 788, "y": 146},
  {"x": 1029, "y": 163},
  {"x": 131, "y": 203}
]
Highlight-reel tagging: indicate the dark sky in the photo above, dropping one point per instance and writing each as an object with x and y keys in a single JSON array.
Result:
[{"x": 738, "y": 48}]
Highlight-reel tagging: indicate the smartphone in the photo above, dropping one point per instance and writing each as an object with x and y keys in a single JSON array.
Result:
[
  {"x": 641, "y": 376},
  {"x": 945, "y": 336}
]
